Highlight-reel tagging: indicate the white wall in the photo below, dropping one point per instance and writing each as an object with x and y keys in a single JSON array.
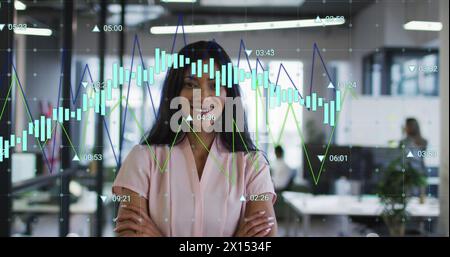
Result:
[{"x": 375, "y": 122}]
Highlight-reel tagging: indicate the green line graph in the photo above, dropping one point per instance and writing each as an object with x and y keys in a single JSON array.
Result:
[
  {"x": 316, "y": 178},
  {"x": 315, "y": 175}
]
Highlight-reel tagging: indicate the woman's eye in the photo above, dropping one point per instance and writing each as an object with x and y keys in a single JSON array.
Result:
[{"x": 189, "y": 85}]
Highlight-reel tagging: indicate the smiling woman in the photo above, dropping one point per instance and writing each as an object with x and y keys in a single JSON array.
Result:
[{"x": 196, "y": 183}]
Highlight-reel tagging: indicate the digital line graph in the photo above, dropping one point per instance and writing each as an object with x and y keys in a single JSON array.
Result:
[{"x": 86, "y": 74}]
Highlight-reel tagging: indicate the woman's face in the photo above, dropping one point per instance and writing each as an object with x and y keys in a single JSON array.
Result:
[
  {"x": 209, "y": 106},
  {"x": 408, "y": 130}
]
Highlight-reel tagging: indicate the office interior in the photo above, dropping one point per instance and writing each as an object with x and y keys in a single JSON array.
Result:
[{"x": 389, "y": 72}]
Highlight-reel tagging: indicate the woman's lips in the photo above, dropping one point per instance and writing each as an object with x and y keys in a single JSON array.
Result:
[{"x": 204, "y": 111}]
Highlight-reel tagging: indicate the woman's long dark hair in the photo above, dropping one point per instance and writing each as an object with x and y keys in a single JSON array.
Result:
[{"x": 161, "y": 134}]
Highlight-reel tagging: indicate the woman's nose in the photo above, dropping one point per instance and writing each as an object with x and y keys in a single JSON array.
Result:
[{"x": 207, "y": 92}]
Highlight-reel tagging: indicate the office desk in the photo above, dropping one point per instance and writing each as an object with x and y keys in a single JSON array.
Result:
[
  {"x": 86, "y": 204},
  {"x": 306, "y": 205}
]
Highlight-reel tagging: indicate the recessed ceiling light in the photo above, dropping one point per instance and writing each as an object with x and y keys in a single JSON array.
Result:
[
  {"x": 229, "y": 27},
  {"x": 34, "y": 32},
  {"x": 423, "y": 25},
  {"x": 252, "y": 3},
  {"x": 19, "y": 5},
  {"x": 178, "y": 1}
]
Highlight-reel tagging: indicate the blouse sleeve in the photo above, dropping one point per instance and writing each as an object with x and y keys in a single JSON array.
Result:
[
  {"x": 258, "y": 176},
  {"x": 135, "y": 172}
]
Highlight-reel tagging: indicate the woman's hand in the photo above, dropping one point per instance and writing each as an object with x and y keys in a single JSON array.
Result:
[
  {"x": 133, "y": 218},
  {"x": 133, "y": 222},
  {"x": 256, "y": 225}
]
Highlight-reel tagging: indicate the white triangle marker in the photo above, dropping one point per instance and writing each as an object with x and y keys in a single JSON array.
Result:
[
  {"x": 412, "y": 68},
  {"x": 249, "y": 52},
  {"x": 318, "y": 20},
  {"x": 410, "y": 155},
  {"x": 96, "y": 29},
  {"x": 242, "y": 199},
  {"x": 189, "y": 118},
  {"x": 103, "y": 198},
  {"x": 84, "y": 83},
  {"x": 2, "y": 26},
  {"x": 330, "y": 85},
  {"x": 320, "y": 157},
  {"x": 75, "y": 158}
]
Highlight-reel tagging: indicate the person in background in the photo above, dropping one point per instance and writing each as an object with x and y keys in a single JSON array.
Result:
[
  {"x": 414, "y": 142},
  {"x": 281, "y": 173}
]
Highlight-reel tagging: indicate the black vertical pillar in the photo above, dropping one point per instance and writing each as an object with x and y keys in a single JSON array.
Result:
[
  {"x": 66, "y": 158},
  {"x": 100, "y": 119},
  {"x": 121, "y": 53},
  {"x": 6, "y": 46}
]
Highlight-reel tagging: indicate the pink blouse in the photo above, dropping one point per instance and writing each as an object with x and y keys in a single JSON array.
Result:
[{"x": 182, "y": 205}]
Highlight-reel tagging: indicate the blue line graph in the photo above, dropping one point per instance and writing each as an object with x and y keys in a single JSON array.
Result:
[{"x": 87, "y": 73}]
